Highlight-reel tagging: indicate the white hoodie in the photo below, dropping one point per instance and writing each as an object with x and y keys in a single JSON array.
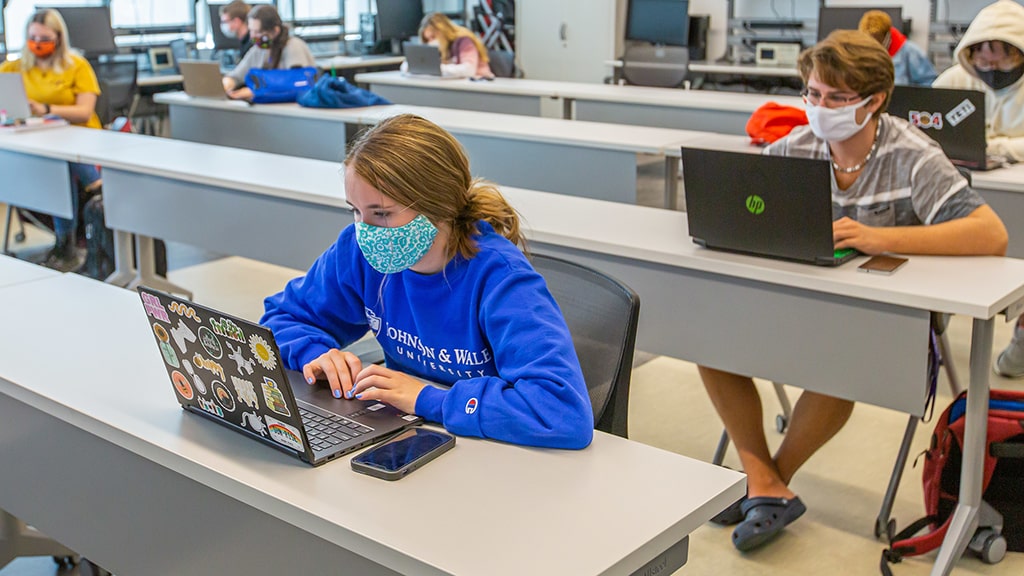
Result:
[{"x": 1004, "y": 109}]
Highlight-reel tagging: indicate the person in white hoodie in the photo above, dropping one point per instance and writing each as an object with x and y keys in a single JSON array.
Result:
[{"x": 990, "y": 58}]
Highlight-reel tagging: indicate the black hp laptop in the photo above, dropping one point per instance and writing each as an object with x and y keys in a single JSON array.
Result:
[
  {"x": 952, "y": 117},
  {"x": 230, "y": 371},
  {"x": 773, "y": 206}
]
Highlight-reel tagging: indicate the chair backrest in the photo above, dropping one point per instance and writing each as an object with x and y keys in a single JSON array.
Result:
[
  {"x": 661, "y": 66},
  {"x": 118, "y": 85},
  {"x": 602, "y": 315},
  {"x": 179, "y": 52},
  {"x": 503, "y": 63}
]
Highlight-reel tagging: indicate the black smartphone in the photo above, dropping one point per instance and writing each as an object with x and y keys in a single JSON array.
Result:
[
  {"x": 404, "y": 453},
  {"x": 882, "y": 264}
]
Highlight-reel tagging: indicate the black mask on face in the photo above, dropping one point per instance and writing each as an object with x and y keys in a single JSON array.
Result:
[{"x": 999, "y": 79}]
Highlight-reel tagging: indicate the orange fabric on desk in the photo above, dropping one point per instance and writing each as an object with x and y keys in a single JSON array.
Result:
[{"x": 773, "y": 121}]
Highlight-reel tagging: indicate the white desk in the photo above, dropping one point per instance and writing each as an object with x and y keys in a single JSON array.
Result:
[
  {"x": 578, "y": 158},
  {"x": 14, "y": 271},
  {"x": 1003, "y": 189},
  {"x": 159, "y": 80},
  {"x": 359, "y": 62},
  {"x": 710, "y": 67},
  {"x": 158, "y": 491},
  {"x": 709, "y": 111}
]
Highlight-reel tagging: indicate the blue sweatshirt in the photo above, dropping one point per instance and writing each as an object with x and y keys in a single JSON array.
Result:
[{"x": 487, "y": 327}]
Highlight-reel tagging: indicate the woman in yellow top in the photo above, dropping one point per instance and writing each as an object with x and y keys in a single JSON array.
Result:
[{"x": 59, "y": 82}]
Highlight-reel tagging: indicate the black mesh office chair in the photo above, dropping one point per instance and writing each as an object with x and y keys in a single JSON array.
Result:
[
  {"x": 602, "y": 315},
  {"x": 179, "y": 52},
  {"x": 660, "y": 66},
  {"x": 118, "y": 87}
]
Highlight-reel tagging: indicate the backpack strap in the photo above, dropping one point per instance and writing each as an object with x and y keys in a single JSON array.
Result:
[{"x": 906, "y": 544}]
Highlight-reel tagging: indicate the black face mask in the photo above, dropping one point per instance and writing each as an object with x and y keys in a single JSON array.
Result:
[{"x": 999, "y": 79}]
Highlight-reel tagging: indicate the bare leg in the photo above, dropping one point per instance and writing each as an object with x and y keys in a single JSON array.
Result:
[
  {"x": 816, "y": 419},
  {"x": 739, "y": 406}
]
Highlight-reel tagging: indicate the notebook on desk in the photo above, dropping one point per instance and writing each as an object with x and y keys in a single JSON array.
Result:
[
  {"x": 773, "y": 206},
  {"x": 230, "y": 371},
  {"x": 954, "y": 118}
]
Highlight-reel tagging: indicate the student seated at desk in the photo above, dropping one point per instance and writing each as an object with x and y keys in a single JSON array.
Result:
[
  {"x": 432, "y": 267},
  {"x": 893, "y": 190},
  {"x": 990, "y": 58},
  {"x": 462, "y": 53},
  {"x": 273, "y": 48},
  {"x": 234, "y": 23},
  {"x": 59, "y": 82},
  {"x": 911, "y": 64}
]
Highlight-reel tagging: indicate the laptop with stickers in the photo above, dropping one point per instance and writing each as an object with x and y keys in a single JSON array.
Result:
[
  {"x": 954, "y": 118},
  {"x": 773, "y": 206},
  {"x": 230, "y": 371}
]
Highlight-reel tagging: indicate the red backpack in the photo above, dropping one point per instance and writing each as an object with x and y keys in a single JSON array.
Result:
[{"x": 941, "y": 479}]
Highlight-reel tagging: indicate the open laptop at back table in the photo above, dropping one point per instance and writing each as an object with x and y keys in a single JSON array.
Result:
[
  {"x": 13, "y": 100},
  {"x": 202, "y": 79},
  {"x": 423, "y": 60},
  {"x": 954, "y": 118},
  {"x": 230, "y": 371},
  {"x": 773, "y": 206}
]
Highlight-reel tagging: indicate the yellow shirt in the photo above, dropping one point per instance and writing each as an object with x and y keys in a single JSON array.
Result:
[{"x": 59, "y": 88}]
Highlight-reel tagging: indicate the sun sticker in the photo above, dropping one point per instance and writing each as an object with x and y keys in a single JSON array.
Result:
[{"x": 261, "y": 350}]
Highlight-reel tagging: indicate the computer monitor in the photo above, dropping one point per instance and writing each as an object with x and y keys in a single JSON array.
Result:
[
  {"x": 847, "y": 18},
  {"x": 89, "y": 29},
  {"x": 658, "y": 21},
  {"x": 398, "y": 20}
]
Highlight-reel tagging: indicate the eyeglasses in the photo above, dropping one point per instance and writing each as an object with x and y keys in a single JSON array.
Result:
[{"x": 831, "y": 100}]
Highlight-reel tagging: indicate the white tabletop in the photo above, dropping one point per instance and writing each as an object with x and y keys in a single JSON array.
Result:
[
  {"x": 465, "y": 512},
  {"x": 160, "y": 80},
  {"x": 346, "y": 62},
  {"x": 706, "y": 67},
  {"x": 706, "y": 99},
  {"x": 1009, "y": 179},
  {"x": 14, "y": 271}
]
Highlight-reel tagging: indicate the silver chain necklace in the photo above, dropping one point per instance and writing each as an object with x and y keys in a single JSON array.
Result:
[{"x": 871, "y": 152}]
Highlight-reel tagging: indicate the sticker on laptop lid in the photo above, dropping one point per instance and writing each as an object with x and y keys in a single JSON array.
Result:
[
  {"x": 227, "y": 329},
  {"x": 161, "y": 333},
  {"x": 210, "y": 343},
  {"x": 182, "y": 334},
  {"x": 261, "y": 351},
  {"x": 274, "y": 398},
  {"x": 184, "y": 310},
  {"x": 284, "y": 433},
  {"x": 211, "y": 407},
  {"x": 196, "y": 380},
  {"x": 154, "y": 308},
  {"x": 242, "y": 364},
  {"x": 208, "y": 365},
  {"x": 960, "y": 113},
  {"x": 246, "y": 392},
  {"x": 254, "y": 421},
  {"x": 223, "y": 396},
  {"x": 169, "y": 356},
  {"x": 182, "y": 386}
]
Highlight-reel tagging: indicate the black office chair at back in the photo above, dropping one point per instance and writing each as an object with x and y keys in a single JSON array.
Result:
[
  {"x": 602, "y": 315},
  {"x": 118, "y": 88},
  {"x": 660, "y": 66},
  {"x": 179, "y": 52},
  {"x": 503, "y": 63}
]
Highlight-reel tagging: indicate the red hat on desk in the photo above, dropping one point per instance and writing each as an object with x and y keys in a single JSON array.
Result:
[{"x": 773, "y": 121}]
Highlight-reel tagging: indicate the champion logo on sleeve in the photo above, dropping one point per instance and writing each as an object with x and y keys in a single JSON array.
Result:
[{"x": 471, "y": 405}]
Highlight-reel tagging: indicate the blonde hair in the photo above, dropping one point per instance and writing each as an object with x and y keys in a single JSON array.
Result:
[
  {"x": 61, "y": 57},
  {"x": 447, "y": 33},
  {"x": 418, "y": 164},
  {"x": 876, "y": 23},
  {"x": 850, "y": 59}
]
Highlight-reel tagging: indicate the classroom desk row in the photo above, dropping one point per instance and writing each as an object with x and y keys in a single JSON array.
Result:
[
  {"x": 345, "y": 65},
  {"x": 707, "y": 111},
  {"x": 770, "y": 310},
  {"x": 157, "y": 491},
  {"x": 590, "y": 159}
]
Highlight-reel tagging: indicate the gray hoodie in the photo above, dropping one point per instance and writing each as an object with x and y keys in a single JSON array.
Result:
[{"x": 1004, "y": 109}]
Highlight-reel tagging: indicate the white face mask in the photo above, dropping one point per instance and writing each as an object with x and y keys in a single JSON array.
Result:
[
  {"x": 836, "y": 124},
  {"x": 225, "y": 29}
]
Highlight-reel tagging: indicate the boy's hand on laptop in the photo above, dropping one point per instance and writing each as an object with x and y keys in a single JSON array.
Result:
[
  {"x": 339, "y": 368},
  {"x": 848, "y": 233},
  {"x": 243, "y": 93},
  {"x": 391, "y": 387}
]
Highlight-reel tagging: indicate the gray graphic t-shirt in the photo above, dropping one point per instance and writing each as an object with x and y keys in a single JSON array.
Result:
[{"x": 908, "y": 182}]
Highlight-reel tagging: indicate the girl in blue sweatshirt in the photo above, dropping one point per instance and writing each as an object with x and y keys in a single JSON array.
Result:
[{"x": 432, "y": 267}]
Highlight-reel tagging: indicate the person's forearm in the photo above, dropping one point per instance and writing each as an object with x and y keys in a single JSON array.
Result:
[
  {"x": 975, "y": 235},
  {"x": 76, "y": 114}
]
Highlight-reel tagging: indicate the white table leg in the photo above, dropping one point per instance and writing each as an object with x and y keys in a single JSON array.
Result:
[
  {"x": 124, "y": 266},
  {"x": 672, "y": 181},
  {"x": 965, "y": 518},
  {"x": 146, "y": 273},
  {"x": 17, "y": 539}
]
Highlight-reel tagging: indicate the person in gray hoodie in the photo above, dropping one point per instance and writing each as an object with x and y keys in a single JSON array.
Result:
[{"x": 990, "y": 58}]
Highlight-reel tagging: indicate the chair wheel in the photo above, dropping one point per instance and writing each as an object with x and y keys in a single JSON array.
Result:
[
  {"x": 989, "y": 545},
  {"x": 781, "y": 423},
  {"x": 19, "y": 237}
]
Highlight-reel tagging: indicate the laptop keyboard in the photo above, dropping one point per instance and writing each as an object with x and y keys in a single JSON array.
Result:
[{"x": 326, "y": 430}]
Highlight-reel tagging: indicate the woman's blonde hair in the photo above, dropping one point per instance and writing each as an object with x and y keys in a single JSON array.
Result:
[
  {"x": 62, "y": 55},
  {"x": 850, "y": 59},
  {"x": 418, "y": 164},
  {"x": 447, "y": 32},
  {"x": 877, "y": 24}
]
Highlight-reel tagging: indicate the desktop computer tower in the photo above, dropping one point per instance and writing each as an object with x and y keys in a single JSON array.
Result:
[{"x": 699, "y": 26}]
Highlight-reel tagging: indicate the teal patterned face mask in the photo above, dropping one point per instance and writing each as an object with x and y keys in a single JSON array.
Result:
[{"x": 391, "y": 250}]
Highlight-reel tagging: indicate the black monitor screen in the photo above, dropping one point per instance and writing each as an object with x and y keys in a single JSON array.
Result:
[
  {"x": 830, "y": 19},
  {"x": 89, "y": 29},
  {"x": 658, "y": 21},
  {"x": 398, "y": 19}
]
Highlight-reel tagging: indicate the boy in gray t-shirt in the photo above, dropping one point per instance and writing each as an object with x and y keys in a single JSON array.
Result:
[{"x": 892, "y": 191}]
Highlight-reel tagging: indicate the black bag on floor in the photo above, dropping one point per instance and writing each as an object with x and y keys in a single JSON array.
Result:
[{"x": 99, "y": 243}]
